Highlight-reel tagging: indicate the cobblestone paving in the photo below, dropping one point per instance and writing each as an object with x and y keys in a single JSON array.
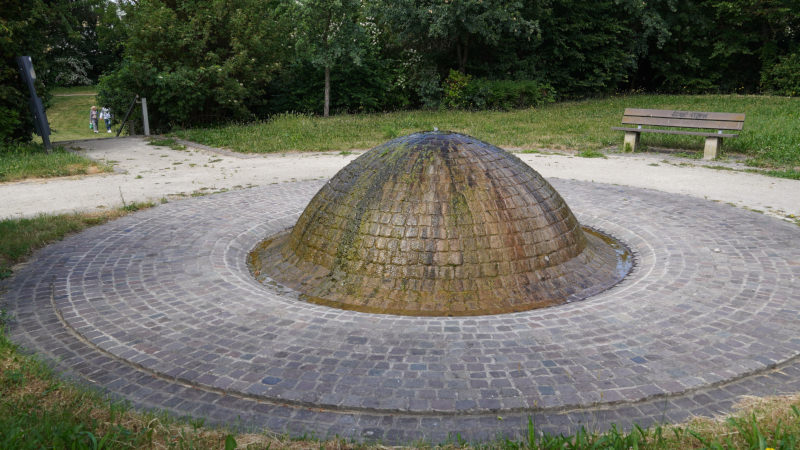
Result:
[{"x": 160, "y": 308}]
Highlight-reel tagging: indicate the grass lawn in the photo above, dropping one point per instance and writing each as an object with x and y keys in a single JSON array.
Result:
[
  {"x": 771, "y": 135},
  {"x": 21, "y": 161}
]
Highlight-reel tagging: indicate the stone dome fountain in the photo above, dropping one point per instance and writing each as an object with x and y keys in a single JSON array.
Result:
[{"x": 439, "y": 224}]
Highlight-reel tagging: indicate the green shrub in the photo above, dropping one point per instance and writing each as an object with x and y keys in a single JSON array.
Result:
[
  {"x": 427, "y": 88},
  {"x": 456, "y": 93},
  {"x": 783, "y": 78},
  {"x": 464, "y": 92},
  {"x": 198, "y": 62},
  {"x": 508, "y": 94},
  {"x": 22, "y": 25}
]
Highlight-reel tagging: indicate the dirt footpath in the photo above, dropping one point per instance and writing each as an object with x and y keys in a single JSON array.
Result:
[{"x": 148, "y": 173}]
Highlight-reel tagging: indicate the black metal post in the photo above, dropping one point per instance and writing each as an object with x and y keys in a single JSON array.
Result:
[{"x": 37, "y": 108}]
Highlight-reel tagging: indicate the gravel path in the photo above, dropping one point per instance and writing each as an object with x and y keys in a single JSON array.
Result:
[{"x": 148, "y": 173}]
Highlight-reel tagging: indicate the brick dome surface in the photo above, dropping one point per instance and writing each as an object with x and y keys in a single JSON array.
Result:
[{"x": 438, "y": 224}]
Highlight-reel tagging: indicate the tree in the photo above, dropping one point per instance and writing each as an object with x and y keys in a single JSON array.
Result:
[
  {"x": 682, "y": 62},
  {"x": 329, "y": 32},
  {"x": 71, "y": 41},
  {"x": 198, "y": 61},
  {"x": 22, "y": 32},
  {"x": 111, "y": 35},
  {"x": 592, "y": 47},
  {"x": 718, "y": 45},
  {"x": 454, "y": 27},
  {"x": 751, "y": 35}
]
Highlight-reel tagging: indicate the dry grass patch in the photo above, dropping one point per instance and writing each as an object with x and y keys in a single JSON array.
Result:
[{"x": 758, "y": 422}]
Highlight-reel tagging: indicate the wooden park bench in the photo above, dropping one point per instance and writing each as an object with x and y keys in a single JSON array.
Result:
[{"x": 681, "y": 119}]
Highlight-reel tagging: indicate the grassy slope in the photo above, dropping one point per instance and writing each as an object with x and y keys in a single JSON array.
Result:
[
  {"x": 84, "y": 90},
  {"x": 771, "y": 133},
  {"x": 69, "y": 116}
]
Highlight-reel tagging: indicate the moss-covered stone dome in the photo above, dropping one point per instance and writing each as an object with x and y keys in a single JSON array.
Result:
[{"x": 438, "y": 224}]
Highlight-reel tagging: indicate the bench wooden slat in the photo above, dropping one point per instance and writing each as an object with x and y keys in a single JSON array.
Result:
[
  {"x": 687, "y": 133},
  {"x": 667, "y": 113},
  {"x": 680, "y": 119},
  {"x": 682, "y": 123}
]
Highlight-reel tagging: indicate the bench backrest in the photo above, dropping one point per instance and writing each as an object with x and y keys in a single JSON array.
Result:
[{"x": 683, "y": 119}]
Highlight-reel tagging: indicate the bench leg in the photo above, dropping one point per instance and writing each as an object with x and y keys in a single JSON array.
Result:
[
  {"x": 631, "y": 141},
  {"x": 713, "y": 146}
]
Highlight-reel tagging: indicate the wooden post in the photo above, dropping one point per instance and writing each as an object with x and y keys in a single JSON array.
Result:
[
  {"x": 713, "y": 145},
  {"x": 631, "y": 141},
  {"x": 145, "y": 119}
]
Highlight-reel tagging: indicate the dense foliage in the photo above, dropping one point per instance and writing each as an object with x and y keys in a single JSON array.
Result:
[
  {"x": 463, "y": 92},
  {"x": 198, "y": 61},
  {"x": 348, "y": 55},
  {"x": 21, "y": 33},
  {"x": 212, "y": 61},
  {"x": 71, "y": 42},
  {"x": 783, "y": 78},
  {"x": 71, "y": 34}
]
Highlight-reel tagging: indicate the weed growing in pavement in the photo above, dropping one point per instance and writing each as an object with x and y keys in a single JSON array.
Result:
[
  {"x": 167, "y": 142},
  {"x": 591, "y": 154}
]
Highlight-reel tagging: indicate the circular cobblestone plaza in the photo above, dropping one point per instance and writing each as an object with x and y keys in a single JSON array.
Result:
[{"x": 160, "y": 308}]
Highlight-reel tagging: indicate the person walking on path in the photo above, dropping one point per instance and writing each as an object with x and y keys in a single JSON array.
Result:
[
  {"x": 105, "y": 114},
  {"x": 93, "y": 119}
]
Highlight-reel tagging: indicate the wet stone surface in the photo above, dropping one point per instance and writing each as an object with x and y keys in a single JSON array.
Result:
[
  {"x": 160, "y": 308},
  {"x": 438, "y": 224}
]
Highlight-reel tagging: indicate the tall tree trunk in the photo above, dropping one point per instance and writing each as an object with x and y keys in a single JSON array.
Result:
[
  {"x": 326, "y": 109},
  {"x": 462, "y": 49}
]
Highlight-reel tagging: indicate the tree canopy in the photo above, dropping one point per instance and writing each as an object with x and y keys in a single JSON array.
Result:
[
  {"x": 328, "y": 33},
  {"x": 211, "y": 61},
  {"x": 198, "y": 61}
]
